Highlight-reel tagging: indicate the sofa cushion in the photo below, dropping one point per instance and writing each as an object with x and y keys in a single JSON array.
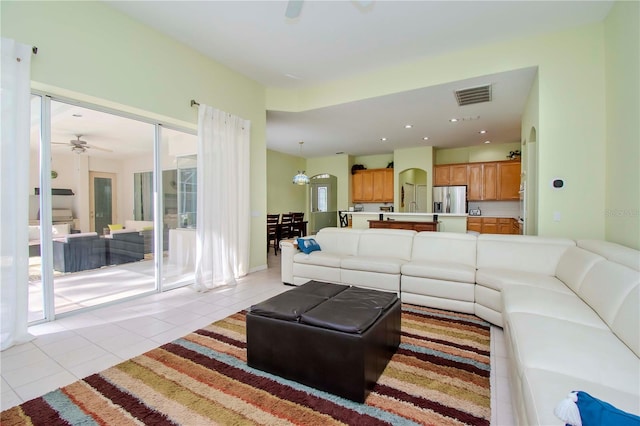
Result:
[
  {"x": 615, "y": 252},
  {"x": 521, "y": 252},
  {"x": 540, "y": 301},
  {"x": 343, "y": 241},
  {"x": 611, "y": 289},
  {"x": 320, "y": 258},
  {"x": 385, "y": 265},
  {"x": 386, "y": 243},
  {"x": 498, "y": 279},
  {"x": 448, "y": 271},
  {"x": 542, "y": 389},
  {"x": 574, "y": 265},
  {"x": 138, "y": 225},
  {"x": 444, "y": 247},
  {"x": 574, "y": 349}
]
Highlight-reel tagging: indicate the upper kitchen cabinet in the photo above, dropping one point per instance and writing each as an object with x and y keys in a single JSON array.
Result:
[
  {"x": 509, "y": 180},
  {"x": 372, "y": 186},
  {"x": 498, "y": 180},
  {"x": 452, "y": 174}
]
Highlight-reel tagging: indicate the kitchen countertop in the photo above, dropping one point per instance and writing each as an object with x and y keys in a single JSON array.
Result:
[{"x": 408, "y": 214}]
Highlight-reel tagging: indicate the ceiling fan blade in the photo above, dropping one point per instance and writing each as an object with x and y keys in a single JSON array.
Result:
[
  {"x": 60, "y": 143},
  {"x": 293, "y": 9},
  {"x": 98, "y": 148}
]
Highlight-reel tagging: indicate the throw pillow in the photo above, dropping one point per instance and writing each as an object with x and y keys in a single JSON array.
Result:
[
  {"x": 115, "y": 226},
  {"x": 307, "y": 245},
  {"x": 582, "y": 409}
]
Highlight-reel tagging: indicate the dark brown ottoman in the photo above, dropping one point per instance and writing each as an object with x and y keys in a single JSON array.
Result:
[{"x": 331, "y": 337}]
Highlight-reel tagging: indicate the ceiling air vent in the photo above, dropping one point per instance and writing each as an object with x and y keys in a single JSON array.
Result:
[{"x": 473, "y": 95}]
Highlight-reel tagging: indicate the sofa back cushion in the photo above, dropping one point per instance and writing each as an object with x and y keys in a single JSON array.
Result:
[
  {"x": 521, "y": 252},
  {"x": 574, "y": 265},
  {"x": 615, "y": 252},
  {"x": 445, "y": 247},
  {"x": 339, "y": 240},
  {"x": 394, "y": 243},
  {"x": 611, "y": 289}
]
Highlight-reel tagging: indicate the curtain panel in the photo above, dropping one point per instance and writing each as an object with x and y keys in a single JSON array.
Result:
[
  {"x": 14, "y": 182},
  {"x": 223, "y": 217}
]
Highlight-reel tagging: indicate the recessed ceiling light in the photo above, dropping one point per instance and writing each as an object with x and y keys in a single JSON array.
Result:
[
  {"x": 453, "y": 120},
  {"x": 383, "y": 139},
  {"x": 408, "y": 126},
  {"x": 295, "y": 77},
  {"x": 487, "y": 141},
  {"x": 426, "y": 138},
  {"x": 482, "y": 132}
]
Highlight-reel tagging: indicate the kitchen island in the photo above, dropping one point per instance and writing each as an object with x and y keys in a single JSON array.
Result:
[{"x": 447, "y": 222}]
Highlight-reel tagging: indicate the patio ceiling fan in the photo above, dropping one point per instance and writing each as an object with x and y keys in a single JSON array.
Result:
[
  {"x": 294, "y": 7},
  {"x": 79, "y": 146}
]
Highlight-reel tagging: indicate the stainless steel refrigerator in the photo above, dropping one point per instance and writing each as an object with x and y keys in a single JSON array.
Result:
[{"x": 450, "y": 199}]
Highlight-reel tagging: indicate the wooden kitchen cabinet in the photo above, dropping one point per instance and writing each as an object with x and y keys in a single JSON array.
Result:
[
  {"x": 489, "y": 225},
  {"x": 474, "y": 224},
  {"x": 452, "y": 174},
  {"x": 493, "y": 181},
  {"x": 372, "y": 186},
  {"x": 505, "y": 225},
  {"x": 441, "y": 175},
  {"x": 509, "y": 180},
  {"x": 489, "y": 181},
  {"x": 493, "y": 225}
]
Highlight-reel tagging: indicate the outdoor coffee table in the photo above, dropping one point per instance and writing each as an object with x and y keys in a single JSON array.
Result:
[{"x": 331, "y": 337}]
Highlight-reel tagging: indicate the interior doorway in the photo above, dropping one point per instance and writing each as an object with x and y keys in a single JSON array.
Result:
[
  {"x": 323, "y": 202},
  {"x": 414, "y": 197},
  {"x": 102, "y": 201}
]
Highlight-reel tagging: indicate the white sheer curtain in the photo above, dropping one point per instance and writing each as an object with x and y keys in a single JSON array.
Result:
[
  {"x": 222, "y": 235},
  {"x": 14, "y": 183}
]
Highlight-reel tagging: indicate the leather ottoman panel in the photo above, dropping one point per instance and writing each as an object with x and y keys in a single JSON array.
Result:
[
  {"x": 319, "y": 288},
  {"x": 345, "y": 364},
  {"x": 352, "y": 311},
  {"x": 287, "y": 306}
]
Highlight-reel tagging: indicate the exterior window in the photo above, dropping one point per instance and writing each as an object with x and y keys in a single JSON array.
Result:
[{"x": 322, "y": 199}]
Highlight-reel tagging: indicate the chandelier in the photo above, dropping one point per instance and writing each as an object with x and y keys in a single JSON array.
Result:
[{"x": 301, "y": 178}]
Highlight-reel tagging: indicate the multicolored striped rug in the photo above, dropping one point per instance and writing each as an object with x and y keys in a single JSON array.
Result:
[{"x": 439, "y": 376}]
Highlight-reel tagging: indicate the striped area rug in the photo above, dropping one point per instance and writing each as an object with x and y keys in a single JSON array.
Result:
[{"x": 438, "y": 376}]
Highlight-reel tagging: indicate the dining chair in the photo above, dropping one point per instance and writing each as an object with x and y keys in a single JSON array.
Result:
[
  {"x": 298, "y": 226},
  {"x": 286, "y": 226},
  {"x": 272, "y": 231}
]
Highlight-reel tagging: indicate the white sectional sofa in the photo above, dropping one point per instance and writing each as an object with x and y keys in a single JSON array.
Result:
[{"x": 570, "y": 309}]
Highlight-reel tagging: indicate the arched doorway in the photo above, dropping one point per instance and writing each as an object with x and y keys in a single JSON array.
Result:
[
  {"x": 323, "y": 202},
  {"x": 412, "y": 187}
]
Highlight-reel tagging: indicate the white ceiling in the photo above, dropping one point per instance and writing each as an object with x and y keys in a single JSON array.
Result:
[{"x": 339, "y": 39}]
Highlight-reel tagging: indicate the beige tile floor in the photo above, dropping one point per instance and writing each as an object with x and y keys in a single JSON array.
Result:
[{"x": 73, "y": 347}]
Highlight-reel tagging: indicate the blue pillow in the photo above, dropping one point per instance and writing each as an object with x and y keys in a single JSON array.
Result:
[
  {"x": 307, "y": 245},
  {"x": 580, "y": 408}
]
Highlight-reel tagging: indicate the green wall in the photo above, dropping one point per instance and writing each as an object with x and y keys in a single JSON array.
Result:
[
  {"x": 282, "y": 195},
  {"x": 379, "y": 161},
  {"x": 572, "y": 115},
  {"x": 622, "y": 67},
  {"x": 475, "y": 154},
  {"x": 93, "y": 53}
]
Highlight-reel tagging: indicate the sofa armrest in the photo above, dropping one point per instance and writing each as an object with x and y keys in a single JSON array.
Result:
[{"x": 288, "y": 248}]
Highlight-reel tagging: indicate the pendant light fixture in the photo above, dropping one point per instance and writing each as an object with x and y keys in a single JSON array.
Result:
[{"x": 301, "y": 178}]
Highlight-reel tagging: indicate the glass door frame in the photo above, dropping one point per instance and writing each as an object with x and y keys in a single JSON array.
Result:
[{"x": 45, "y": 203}]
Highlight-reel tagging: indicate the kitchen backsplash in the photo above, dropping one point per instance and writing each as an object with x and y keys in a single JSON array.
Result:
[{"x": 497, "y": 208}]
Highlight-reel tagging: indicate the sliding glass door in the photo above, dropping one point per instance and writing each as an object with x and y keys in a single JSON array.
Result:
[{"x": 106, "y": 241}]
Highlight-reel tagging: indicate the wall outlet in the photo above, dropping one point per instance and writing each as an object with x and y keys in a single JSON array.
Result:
[{"x": 556, "y": 216}]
